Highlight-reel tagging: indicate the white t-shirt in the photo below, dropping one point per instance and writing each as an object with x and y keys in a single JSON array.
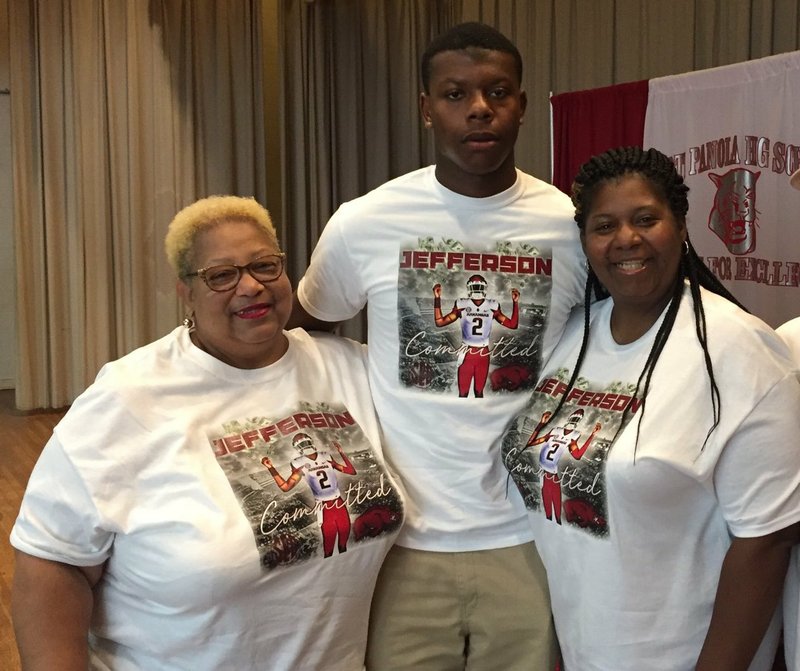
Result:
[
  {"x": 634, "y": 562},
  {"x": 790, "y": 332},
  {"x": 388, "y": 249},
  {"x": 156, "y": 470}
]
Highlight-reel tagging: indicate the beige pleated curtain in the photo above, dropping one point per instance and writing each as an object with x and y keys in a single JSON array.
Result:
[
  {"x": 125, "y": 110},
  {"x": 122, "y": 112}
]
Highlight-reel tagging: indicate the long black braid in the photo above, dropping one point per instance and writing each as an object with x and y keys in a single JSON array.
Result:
[{"x": 661, "y": 175}]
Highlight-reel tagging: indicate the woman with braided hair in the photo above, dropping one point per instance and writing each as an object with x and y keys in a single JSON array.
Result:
[{"x": 679, "y": 518}]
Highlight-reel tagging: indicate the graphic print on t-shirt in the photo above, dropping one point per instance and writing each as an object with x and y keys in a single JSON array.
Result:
[
  {"x": 558, "y": 463},
  {"x": 471, "y": 321},
  {"x": 308, "y": 482}
]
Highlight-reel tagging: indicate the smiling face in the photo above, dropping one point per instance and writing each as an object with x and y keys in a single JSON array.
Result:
[
  {"x": 634, "y": 244},
  {"x": 475, "y": 108},
  {"x": 243, "y": 326}
]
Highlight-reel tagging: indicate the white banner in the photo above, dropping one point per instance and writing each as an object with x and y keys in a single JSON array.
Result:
[{"x": 734, "y": 134}]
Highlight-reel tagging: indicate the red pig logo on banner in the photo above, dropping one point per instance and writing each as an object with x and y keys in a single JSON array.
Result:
[{"x": 733, "y": 214}]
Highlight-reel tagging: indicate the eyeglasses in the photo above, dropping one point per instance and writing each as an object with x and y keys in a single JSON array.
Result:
[{"x": 224, "y": 278}]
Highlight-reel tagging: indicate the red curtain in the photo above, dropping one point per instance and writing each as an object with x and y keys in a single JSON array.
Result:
[{"x": 586, "y": 123}]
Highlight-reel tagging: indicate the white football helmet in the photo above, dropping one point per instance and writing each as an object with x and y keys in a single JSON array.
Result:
[
  {"x": 575, "y": 418},
  {"x": 303, "y": 444},
  {"x": 476, "y": 285}
]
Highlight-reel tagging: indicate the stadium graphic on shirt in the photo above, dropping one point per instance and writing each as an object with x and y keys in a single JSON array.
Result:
[
  {"x": 470, "y": 320},
  {"x": 558, "y": 463},
  {"x": 308, "y": 482}
]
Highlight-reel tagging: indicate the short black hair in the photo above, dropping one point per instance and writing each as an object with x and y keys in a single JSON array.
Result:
[{"x": 465, "y": 36}]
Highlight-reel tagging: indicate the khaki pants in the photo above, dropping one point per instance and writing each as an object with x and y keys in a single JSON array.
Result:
[{"x": 487, "y": 610}]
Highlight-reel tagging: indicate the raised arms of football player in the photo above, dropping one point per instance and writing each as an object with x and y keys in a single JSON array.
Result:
[
  {"x": 348, "y": 467},
  {"x": 440, "y": 320},
  {"x": 750, "y": 587},
  {"x": 52, "y": 605},
  {"x": 534, "y": 439},
  {"x": 513, "y": 321},
  {"x": 284, "y": 485},
  {"x": 578, "y": 452},
  {"x": 300, "y": 317}
]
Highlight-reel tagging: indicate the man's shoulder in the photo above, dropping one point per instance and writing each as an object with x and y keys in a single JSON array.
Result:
[
  {"x": 410, "y": 184},
  {"x": 406, "y": 193},
  {"x": 537, "y": 190}
]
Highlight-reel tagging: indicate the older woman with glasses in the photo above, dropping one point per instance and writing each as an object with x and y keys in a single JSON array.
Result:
[{"x": 216, "y": 499}]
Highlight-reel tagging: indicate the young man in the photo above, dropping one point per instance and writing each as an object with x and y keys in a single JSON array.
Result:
[{"x": 465, "y": 580}]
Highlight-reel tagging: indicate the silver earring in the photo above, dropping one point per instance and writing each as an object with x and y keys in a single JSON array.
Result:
[
  {"x": 188, "y": 322},
  {"x": 686, "y": 248}
]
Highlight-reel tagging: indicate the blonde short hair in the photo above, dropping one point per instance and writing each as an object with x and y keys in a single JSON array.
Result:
[{"x": 204, "y": 214}]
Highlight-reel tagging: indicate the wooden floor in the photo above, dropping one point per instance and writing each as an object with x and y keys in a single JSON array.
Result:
[{"x": 22, "y": 436}]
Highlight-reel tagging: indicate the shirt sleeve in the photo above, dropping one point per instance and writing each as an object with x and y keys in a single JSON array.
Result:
[
  {"x": 331, "y": 289},
  {"x": 757, "y": 478},
  {"x": 58, "y": 519}
]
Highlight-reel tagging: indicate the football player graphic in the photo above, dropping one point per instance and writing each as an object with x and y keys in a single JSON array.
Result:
[
  {"x": 555, "y": 443},
  {"x": 319, "y": 468},
  {"x": 477, "y": 314}
]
